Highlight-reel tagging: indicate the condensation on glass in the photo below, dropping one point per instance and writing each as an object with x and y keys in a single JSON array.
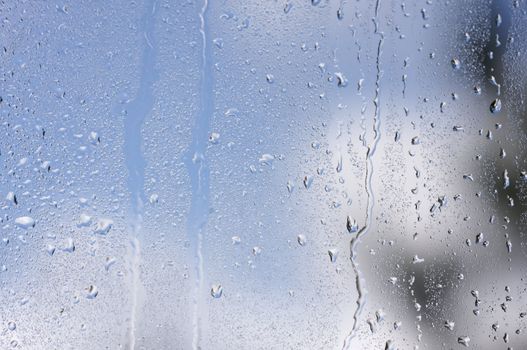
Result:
[{"x": 282, "y": 174}]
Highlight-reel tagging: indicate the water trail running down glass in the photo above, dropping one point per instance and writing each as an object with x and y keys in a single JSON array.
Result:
[
  {"x": 197, "y": 166},
  {"x": 361, "y": 292},
  {"x": 137, "y": 111}
]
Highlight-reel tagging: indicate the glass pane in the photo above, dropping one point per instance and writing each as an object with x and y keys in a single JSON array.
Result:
[{"x": 263, "y": 174}]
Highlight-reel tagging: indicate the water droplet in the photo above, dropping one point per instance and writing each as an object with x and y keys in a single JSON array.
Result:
[
  {"x": 341, "y": 79},
  {"x": 308, "y": 180},
  {"x": 92, "y": 292},
  {"x": 340, "y": 14},
  {"x": 231, "y": 112},
  {"x": 94, "y": 138},
  {"x": 216, "y": 291},
  {"x": 352, "y": 225},
  {"x": 506, "y": 180},
  {"x": 498, "y": 20},
  {"x": 257, "y": 251},
  {"x": 463, "y": 341},
  {"x": 84, "y": 220},
  {"x": 25, "y": 222},
  {"x": 11, "y": 325},
  {"x": 11, "y": 197},
  {"x": 50, "y": 249},
  {"x": 301, "y": 239},
  {"x": 417, "y": 260},
  {"x": 380, "y": 315},
  {"x": 266, "y": 159},
  {"x": 290, "y": 186},
  {"x": 69, "y": 246},
  {"x": 333, "y": 253},
  {"x": 109, "y": 262},
  {"x": 218, "y": 42},
  {"x": 339, "y": 163},
  {"x": 154, "y": 198},
  {"x": 495, "y": 106},
  {"x": 214, "y": 138},
  {"x": 103, "y": 226},
  {"x": 456, "y": 64}
]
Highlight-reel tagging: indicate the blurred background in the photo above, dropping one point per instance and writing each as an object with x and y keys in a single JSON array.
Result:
[{"x": 278, "y": 174}]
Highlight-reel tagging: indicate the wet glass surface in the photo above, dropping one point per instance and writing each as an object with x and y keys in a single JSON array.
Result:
[{"x": 277, "y": 174}]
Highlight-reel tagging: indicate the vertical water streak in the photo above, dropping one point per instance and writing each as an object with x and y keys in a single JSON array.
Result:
[
  {"x": 196, "y": 163},
  {"x": 370, "y": 198},
  {"x": 136, "y": 111}
]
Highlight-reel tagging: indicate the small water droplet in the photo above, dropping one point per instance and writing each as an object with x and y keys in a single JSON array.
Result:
[
  {"x": 214, "y": 138},
  {"x": 11, "y": 197},
  {"x": 266, "y": 159},
  {"x": 92, "y": 292},
  {"x": 333, "y": 254},
  {"x": 449, "y": 325},
  {"x": 341, "y": 79},
  {"x": 154, "y": 198},
  {"x": 216, "y": 291},
  {"x": 109, "y": 262},
  {"x": 417, "y": 260},
  {"x": 308, "y": 180},
  {"x": 339, "y": 163},
  {"x": 352, "y": 225},
  {"x": 495, "y": 106},
  {"x": 94, "y": 138},
  {"x": 340, "y": 14},
  {"x": 498, "y": 20},
  {"x": 50, "y": 249},
  {"x": 103, "y": 226},
  {"x": 506, "y": 179},
  {"x": 464, "y": 340},
  {"x": 257, "y": 251},
  {"x": 290, "y": 186},
  {"x": 84, "y": 220},
  {"x": 69, "y": 246},
  {"x": 25, "y": 222}
]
